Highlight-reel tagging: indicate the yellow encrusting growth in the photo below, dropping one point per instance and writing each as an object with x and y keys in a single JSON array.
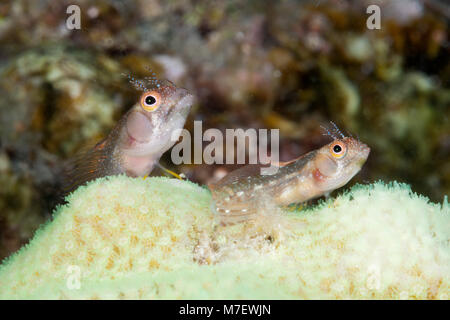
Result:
[{"x": 121, "y": 238}]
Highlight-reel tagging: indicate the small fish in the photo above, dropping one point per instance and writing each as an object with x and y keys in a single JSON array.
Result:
[
  {"x": 239, "y": 195},
  {"x": 138, "y": 140}
]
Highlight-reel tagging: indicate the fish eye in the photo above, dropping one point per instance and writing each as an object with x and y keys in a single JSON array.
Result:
[
  {"x": 150, "y": 101},
  {"x": 338, "y": 149}
]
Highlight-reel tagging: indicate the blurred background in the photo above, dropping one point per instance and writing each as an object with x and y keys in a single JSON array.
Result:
[{"x": 292, "y": 65}]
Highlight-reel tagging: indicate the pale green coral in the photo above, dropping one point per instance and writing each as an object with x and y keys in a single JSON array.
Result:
[{"x": 156, "y": 238}]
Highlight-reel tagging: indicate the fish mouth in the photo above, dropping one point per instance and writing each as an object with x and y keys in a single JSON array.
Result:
[
  {"x": 365, "y": 150},
  {"x": 185, "y": 102},
  {"x": 362, "y": 153}
]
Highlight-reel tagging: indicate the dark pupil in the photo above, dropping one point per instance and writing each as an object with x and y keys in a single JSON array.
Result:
[
  {"x": 149, "y": 100},
  {"x": 337, "y": 148}
]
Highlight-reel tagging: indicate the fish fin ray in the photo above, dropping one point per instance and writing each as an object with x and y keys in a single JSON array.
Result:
[{"x": 89, "y": 164}]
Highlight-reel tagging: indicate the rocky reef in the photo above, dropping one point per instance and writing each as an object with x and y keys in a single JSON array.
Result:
[{"x": 125, "y": 238}]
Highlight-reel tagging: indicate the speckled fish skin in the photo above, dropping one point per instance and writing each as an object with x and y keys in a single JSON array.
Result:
[
  {"x": 138, "y": 140},
  {"x": 239, "y": 195}
]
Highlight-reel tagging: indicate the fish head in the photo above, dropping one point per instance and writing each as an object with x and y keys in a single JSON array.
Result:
[
  {"x": 152, "y": 121},
  {"x": 165, "y": 102},
  {"x": 337, "y": 162}
]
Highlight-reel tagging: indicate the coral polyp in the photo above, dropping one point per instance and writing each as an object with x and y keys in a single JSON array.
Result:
[{"x": 126, "y": 238}]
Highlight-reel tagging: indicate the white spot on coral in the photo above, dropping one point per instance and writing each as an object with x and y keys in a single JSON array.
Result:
[
  {"x": 133, "y": 226},
  {"x": 143, "y": 209},
  {"x": 129, "y": 201},
  {"x": 106, "y": 250},
  {"x": 69, "y": 226},
  {"x": 69, "y": 245},
  {"x": 97, "y": 244},
  {"x": 148, "y": 234},
  {"x": 53, "y": 248},
  {"x": 114, "y": 222},
  {"x": 123, "y": 241}
]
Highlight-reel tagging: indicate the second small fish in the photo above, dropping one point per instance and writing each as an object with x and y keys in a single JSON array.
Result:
[{"x": 240, "y": 194}]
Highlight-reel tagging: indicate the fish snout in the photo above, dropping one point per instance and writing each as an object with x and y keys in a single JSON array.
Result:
[
  {"x": 364, "y": 153},
  {"x": 365, "y": 149},
  {"x": 186, "y": 100}
]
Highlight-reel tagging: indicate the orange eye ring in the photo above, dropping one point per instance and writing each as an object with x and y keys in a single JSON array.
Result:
[
  {"x": 338, "y": 149},
  {"x": 150, "y": 100}
]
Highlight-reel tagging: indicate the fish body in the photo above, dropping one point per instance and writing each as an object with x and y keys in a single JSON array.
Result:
[
  {"x": 137, "y": 141},
  {"x": 239, "y": 195}
]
